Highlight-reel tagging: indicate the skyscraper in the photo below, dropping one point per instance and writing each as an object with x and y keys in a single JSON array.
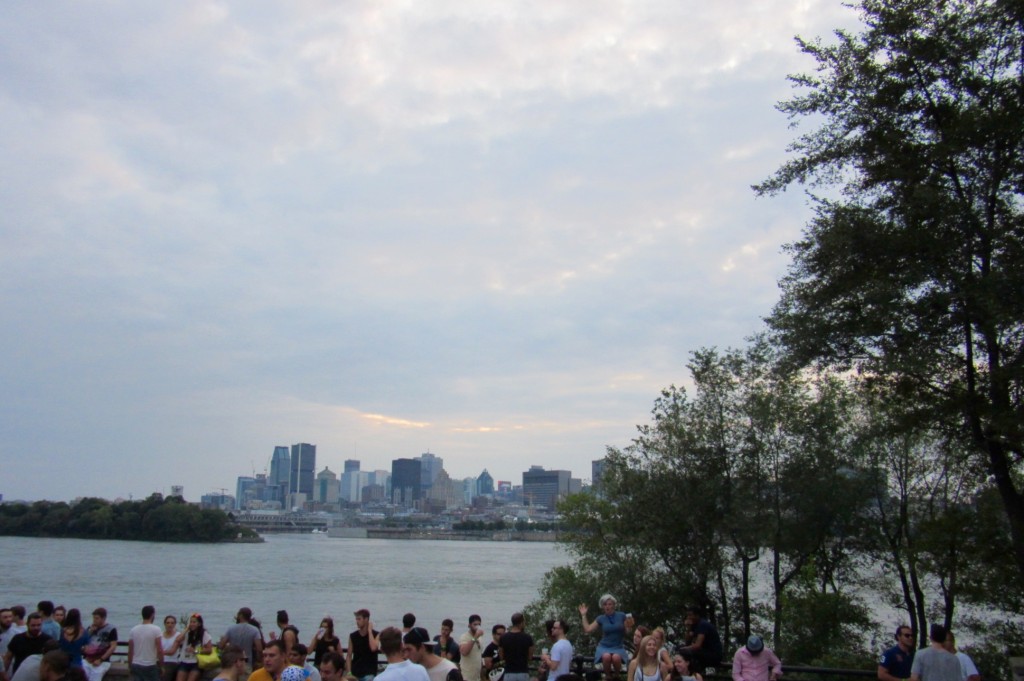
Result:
[
  {"x": 430, "y": 466},
  {"x": 544, "y": 488},
  {"x": 405, "y": 481},
  {"x": 302, "y": 469},
  {"x": 485, "y": 484}
]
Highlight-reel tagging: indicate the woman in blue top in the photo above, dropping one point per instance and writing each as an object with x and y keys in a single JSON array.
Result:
[
  {"x": 73, "y": 636},
  {"x": 614, "y": 624}
]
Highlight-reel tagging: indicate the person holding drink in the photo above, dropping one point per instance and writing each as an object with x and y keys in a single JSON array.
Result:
[{"x": 614, "y": 624}]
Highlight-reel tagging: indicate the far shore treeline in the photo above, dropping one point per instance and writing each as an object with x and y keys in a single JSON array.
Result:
[{"x": 156, "y": 518}]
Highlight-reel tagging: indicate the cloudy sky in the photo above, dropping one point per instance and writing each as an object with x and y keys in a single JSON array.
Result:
[{"x": 488, "y": 229}]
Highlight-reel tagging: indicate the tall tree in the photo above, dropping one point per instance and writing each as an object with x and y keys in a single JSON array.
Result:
[{"x": 913, "y": 271}]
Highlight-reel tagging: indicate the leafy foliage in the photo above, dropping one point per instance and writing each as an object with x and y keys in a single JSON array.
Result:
[{"x": 153, "y": 519}]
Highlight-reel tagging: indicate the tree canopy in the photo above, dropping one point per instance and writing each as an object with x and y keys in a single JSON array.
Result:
[
  {"x": 912, "y": 269},
  {"x": 153, "y": 519}
]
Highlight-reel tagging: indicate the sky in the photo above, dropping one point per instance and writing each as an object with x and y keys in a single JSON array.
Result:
[{"x": 490, "y": 230}]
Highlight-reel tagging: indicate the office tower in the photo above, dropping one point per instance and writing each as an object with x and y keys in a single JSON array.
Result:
[
  {"x": 405, "y": 481},
  {"x": 543, "y": 489},
  {"x": 596, "y": 472},
  {"x": 485, "y": 484},
  {"x": 430, "y": 466},
  {"x": 302, "y": 469},
  {"x": 351, "y": 465},
  {"x": 326, "y": 487},
  {"x": 280, "y": 463}
]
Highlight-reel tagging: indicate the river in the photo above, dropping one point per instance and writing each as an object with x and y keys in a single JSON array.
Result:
[{"x": 309, "y": 575}]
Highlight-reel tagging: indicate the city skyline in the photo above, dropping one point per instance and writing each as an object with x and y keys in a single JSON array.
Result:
[{"x": 491, "y": 230}]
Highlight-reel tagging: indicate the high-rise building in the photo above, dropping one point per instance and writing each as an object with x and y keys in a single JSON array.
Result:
[
  {"x": 351, "y": 465},
  {"x": 405, "y": 481},
  {"x": 485, "y": 484},
  {"x": 596, "y": 473},
  {"x": 178, "y": 491},
  {"x": 352, "y": 483},
  {"x": 326, "y": 487},
  {"x": 280, "y": 464},
  {"x": 543, "y": 489},
  {"x": 430, "y": 466},
  {"x": 302, "y": 469}
]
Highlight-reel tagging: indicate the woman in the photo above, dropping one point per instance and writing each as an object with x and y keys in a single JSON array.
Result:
[
  {"x": 196, "y": 640},
  {"x": 74, "y": 637},
  {"x": 681, "y": 668},
  {"x": 664, "y": 655},
  {"x": 645, "y": 667},
  {"x": 58, "y": 615},
  {"x": 171, "y": 644},
  {"x": 614, "y": 624},
  {"x": 324, "y": 641},
  {"x": 638, "y": 635}
]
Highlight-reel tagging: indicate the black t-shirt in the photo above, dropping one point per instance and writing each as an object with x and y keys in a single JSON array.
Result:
[
  {"x": 23, "y": 645},
  {"x": 711, "y": 647},
  {"x": 491, "y": 651},
  {"x": 364, "y": 660},
  {"x": 451, "y": 649},
  {"x": 515, "y": 650}
]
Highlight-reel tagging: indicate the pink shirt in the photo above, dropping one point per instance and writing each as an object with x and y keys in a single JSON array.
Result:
[{"x": 749, "y": 667}]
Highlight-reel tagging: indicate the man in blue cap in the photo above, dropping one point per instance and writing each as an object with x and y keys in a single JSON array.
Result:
[{"x": 754, "y": 662}]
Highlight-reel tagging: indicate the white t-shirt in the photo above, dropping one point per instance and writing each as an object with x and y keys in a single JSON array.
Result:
[
  {"x": 439, "y": 672},
  {"x": 561, "y": 654},
  {"x": 187, "y": 656},
  {"x": 144, "y": 640},
  {"x": 167, "y": 642}
]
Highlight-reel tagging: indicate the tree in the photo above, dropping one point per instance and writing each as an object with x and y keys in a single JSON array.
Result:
[{"x": 912, "y": 272}]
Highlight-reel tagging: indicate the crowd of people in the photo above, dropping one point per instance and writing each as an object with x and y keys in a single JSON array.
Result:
[{"x": 53, "y": 644}]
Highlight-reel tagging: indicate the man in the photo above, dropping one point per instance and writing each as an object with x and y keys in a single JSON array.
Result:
[
  {"x": 935, "y": 663},
  {"x": 702, "y": 641},
  {"x": 896, "y": 661},
  {"x": 244, "y": 634},
  {"x": 31, "y": 666},
  {"x": 754, "y": 662},
  {"x": 274, "y": 662},
  {"x": 419, "y": 649},
  {"x": 408, "y": 622},
  {"x": 232, "y": 664},
  {"x": 516, "y": 648},
  {"x": 361, "y": 656},
  {"x": 559, "y": 661},
  {"x": 145, "y": 652},
  {"x": 399, "y": 668},
  {"x": 470, "y": 649},
  {"x": 491, "y": 657},
  {"x": 446, "y": 645},
  {"x": 102, "y": 644},
  {"x": 332, "y": 666},
  {"x": 6, "y": 634},
  {"x": 29, "y": 642},
  {"x": 968, "y": 670},
  {"x": 50, "y": 628},
  {"x": 297, "y": 658}
]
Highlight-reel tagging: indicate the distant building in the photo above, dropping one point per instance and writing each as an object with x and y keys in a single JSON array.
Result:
[
  {"x": 430, "y": 466},
  {"x": 503, "y": 488},
  {"x": 178, "y": 491},
  {"x": 485, "y": 484},
  {"x": 406, "y": 475},
  {"x": 543, "y": 488},
  {"x": 327, "y": 487},
  {"x": 280, "y": 465},
  {"x": 373, "y": 493},
  {"x": 223, "y": 502},
  {"x": 277, "y": 478},
  {"x": 351, "y": 465},
  {"x": 442, "y": 494},
  {"x": 302, "y": 469},
  {"x": 352, "y": 484},
  {"x": 596, "y": 473}
]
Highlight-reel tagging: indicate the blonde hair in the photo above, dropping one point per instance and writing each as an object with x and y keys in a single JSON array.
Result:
[{"x": 642, "y": 658}]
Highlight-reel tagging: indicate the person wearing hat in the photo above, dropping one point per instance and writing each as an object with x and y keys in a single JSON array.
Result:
[
  {"x": 754, "y": 662},
  {"x": 420, "y": 649}
]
